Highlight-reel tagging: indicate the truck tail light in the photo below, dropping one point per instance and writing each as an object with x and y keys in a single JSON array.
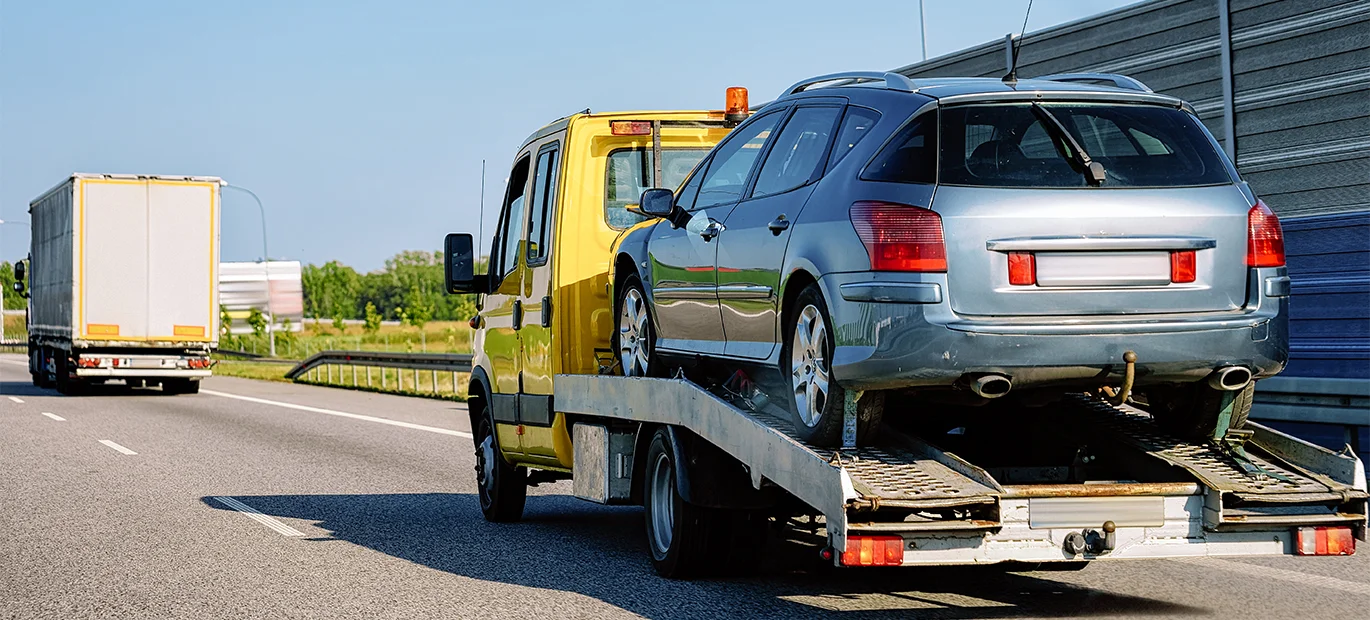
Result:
[
  {"x": 1264, "y": 238},
  {"x": 874, "y": 551},
  {"x": 88, "y": 362},
  {"x": 1022, "y": 269},
  {"x": 1182, "y": 267},
  {"x": 900, "y": 237},
  {"x": 1324, "y": 541}
]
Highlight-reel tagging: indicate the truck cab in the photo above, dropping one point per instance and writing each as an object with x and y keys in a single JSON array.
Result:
[{"x": 544, "y": 303}]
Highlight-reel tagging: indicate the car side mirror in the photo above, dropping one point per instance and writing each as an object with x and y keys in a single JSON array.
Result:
[
  {"x": 19, "y": 270},
  {"x": 459, "y": 265},
  {"x": 657, "y": 202}
]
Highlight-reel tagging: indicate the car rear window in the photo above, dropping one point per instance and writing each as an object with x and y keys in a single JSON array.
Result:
[
  {"x": 630, "y": 173},
  {"x": 1007, "y": 145}
]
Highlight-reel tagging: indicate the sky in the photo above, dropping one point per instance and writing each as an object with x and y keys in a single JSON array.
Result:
[{"x": 362, "y": 125}]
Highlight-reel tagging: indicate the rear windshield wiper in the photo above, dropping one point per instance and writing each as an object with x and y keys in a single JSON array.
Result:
[{"x": 1094, "y": 171}]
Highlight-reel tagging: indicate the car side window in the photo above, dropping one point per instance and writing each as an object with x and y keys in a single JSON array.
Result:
[
  {"x": 733, "y": 161},
  {"x": 856, "y": 125},
  {"x": 544, "y": 200},
  {"x": 911, "y": 156},
  {"x": 511, "y": 221},
  {"x": 798, "y": 150},
  {"x": 686, "y": 198}
]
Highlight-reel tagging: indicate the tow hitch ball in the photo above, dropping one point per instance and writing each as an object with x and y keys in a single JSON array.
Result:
[{"x": 1092, "y": 541}]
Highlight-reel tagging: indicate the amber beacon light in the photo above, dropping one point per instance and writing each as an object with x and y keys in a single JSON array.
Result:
[{"x": 735, "y": 108}]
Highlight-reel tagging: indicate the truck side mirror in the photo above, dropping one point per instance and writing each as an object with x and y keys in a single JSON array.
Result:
[
  {"x": 19, "y": 270},
  {"x": 657, "y": 202},
  {"x": 459, "y": 265}
]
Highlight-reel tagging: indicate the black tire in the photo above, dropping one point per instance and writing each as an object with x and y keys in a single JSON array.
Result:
[
  {"x": 822, "y": 427},
  {"x": 503, "y": 488},
  {"x": 1190, "y": 411},
  {"x": 180, "y": 386},
  {"x": 66, "y": 384},
  {"x": 686, "y": 540},
  {"x": 643, "y": 338}
]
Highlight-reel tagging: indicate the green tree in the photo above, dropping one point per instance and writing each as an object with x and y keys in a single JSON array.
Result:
[
  {"x": 330, "y": 290},
  {"x": 339, "y": 323},
  {"x": 258, "y": 322},
  {"x": 373, "y": 319},
  {"x": 12, "y": 299}
]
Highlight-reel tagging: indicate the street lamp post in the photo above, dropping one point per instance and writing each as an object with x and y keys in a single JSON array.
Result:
[{"x": 266, "y": 265}]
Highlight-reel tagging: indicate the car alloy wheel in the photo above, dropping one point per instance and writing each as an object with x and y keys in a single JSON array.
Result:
[
  {"x": 809, "y": 365},
  {"x": 634, "y": 334}
]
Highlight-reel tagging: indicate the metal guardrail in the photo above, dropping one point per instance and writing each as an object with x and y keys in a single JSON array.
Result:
[{"x": 434, "y": 363}]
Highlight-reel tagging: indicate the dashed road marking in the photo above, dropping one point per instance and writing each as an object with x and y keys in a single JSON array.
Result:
[
  {"x": 118, "y": 447},
  {"x": 344, "y": 414},
  {"x": 256, "y": 515},
  {"x": 57, "y": 417},
  {"x": 1266, "y": 572},
  {"x": 17, "y": 399}
]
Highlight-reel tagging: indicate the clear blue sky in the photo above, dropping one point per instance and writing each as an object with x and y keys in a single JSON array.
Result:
[{"x": 362, "y": 125}]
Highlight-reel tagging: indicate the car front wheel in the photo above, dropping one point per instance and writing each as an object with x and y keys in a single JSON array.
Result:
[{"x": 633, "y": 339}]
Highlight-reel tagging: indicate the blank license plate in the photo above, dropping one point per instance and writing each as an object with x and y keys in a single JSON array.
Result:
[{"x": 1103, "y": 269}]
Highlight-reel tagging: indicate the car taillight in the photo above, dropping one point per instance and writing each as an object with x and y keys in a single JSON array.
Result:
[
  {"x": 873, "y": 551},
  {"x": 1264, "y": 238},
  {"x": 1324, "y": 541},
  {"x": 1182, "y": 267},
  {"x": 1022, "y": 269},
  {"x": 900, "y": 237}
]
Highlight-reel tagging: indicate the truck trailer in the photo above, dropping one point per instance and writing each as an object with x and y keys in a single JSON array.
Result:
[{"x": 121, "y": 282}]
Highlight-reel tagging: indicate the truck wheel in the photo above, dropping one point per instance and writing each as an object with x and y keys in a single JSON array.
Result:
[
  {"x": 633, "y": 340},
  {"x": 692, "y": 541},
  {"x": 180, "y": 386},
  {"x": 65, "y": 383},
  {"x": 816, "y": 400},
  {"x": 1191, "y": 411},
  {"x": 503, "y": 487}
]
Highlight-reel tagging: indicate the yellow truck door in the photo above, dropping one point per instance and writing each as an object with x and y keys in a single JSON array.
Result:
[
  {"x": 503, "y": 309},
  {"x": 535, "y": 336}
]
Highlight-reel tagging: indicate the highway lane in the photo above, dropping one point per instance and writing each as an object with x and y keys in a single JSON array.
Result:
[{"x": 362, "y": 517}]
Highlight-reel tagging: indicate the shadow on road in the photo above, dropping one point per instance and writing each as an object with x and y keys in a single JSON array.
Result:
[
  {"x": 26, "y": 388},
  {"x": 569, "y": 545}
]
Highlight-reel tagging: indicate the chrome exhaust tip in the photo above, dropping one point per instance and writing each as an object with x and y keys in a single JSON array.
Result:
[
  {"x": 991, "y": 386},
  {"x": 1230, "y": 378}
]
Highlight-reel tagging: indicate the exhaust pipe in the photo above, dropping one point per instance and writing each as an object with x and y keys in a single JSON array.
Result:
[
  {"x": 1229, "y": 378},
  {"x": 991, "y": 386}
]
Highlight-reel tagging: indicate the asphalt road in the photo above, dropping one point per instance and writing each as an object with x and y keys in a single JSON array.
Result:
[{"x": 374, "y": 515}]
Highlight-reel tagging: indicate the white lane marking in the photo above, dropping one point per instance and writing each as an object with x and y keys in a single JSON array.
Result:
[
  {"x": 118, "y": 447},
  {"x": 255, "y": 515},
  {"x": 344, "y": 414},
  {"x": 1281, "y": 574},
  {"x": 17, "y": 400},
  {"x": 57, "y": 417}
]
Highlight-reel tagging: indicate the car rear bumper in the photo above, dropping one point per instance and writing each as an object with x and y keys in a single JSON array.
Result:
[{"x": 898, "y": 344}]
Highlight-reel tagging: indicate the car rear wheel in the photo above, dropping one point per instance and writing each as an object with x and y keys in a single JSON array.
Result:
[
  {"x": 633, "y": 339},
  {"x": 1191, "y": 411},
  {"x": 816, "y": 400}
]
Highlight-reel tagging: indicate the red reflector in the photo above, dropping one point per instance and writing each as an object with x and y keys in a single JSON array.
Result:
[
  {"x": 88, "y": 362},
  {"x": 1022, "y": 269},
  {"x": 1182, "y": 268},
  {"x": 900, "y": 237},
  {"x": 1264, "y": 238},
  {"x": 873, "y": 551},
  {"x": 630, "y": 128},
  {"x": 1324, "y": 541}
]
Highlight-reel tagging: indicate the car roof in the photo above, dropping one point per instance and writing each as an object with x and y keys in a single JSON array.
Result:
[{"x": 948, "y": 90}]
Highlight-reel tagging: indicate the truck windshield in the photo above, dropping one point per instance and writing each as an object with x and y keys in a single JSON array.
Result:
[
  {"x": 630, "y": 173},
  {"x": 1007, "y": 145}
]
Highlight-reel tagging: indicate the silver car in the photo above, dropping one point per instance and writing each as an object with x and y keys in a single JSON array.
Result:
[{"x": 961, "y": 240}]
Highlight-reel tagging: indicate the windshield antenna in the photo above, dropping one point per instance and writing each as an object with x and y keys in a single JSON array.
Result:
[
  {"x": 1012, "y": 77},
  {"x": 480, "y": 228}
]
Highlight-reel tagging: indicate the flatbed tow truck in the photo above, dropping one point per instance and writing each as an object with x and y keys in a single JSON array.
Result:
[
  {"x": 1283, "y": 496},
  {"x": 1061, "y": 483}
]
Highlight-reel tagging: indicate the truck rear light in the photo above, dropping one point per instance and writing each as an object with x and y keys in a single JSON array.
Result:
[
  {"x": 900, "y": 237},
  {"x": 1264, "y": 238},
  {"x": 1182, "y": 267},
  {"x": 1324, "y": 541},
  {"x": 874, "y": 551},
  {"x": 630, "y": 128},
  {"x": 88, "y": 362},
  {"x": 1022, "y": 269}
]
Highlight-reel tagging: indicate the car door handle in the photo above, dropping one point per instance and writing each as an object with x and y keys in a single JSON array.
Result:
[
  {"x": 779, "y": 225},
  {"x": 714, "y": 229}
]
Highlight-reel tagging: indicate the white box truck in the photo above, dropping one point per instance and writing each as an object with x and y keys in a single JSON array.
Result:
[{"x": 122, "y": 282}]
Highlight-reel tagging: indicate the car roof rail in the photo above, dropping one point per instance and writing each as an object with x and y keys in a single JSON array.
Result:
[
  {"x": 893, "y": 81},
  {"x": 1116, "y": 79}
]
